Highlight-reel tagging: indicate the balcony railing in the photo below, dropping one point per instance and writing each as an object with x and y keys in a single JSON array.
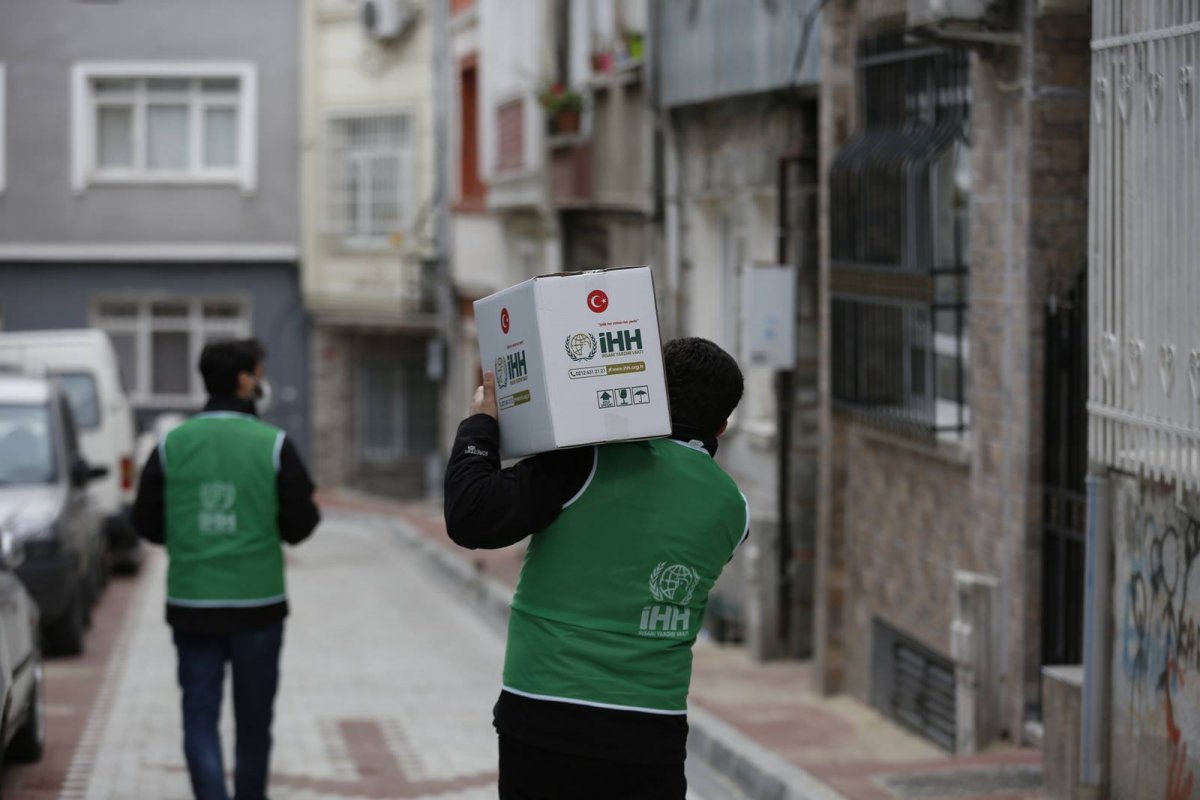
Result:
[{"x": 1144, "y": 285}]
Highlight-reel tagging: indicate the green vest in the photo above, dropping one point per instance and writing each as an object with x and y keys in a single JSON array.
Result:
[
  {"x": 222, "y": 508},
  {"x": 612, "y": 593}
]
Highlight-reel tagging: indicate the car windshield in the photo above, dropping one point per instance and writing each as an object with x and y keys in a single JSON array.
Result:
[
  {"x": 80, "y": 389},
  {"x": 26, "y": 449}
]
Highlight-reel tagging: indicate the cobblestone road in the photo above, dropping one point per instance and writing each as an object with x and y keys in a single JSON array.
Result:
[{"x": 387, "y": 686}]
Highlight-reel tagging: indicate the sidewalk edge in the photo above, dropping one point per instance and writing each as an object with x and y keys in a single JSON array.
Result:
[
  {"x": 752, "y": 767},
  {"x": 722, "y": 747}
]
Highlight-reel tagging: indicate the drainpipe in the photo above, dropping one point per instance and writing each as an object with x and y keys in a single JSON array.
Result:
[
  {"x": 671, "y": 222},
  {"x": 441, "y": 354},
  {"x": 665, "y": 125},
  {"x": 785, "y": 385},
  {"x": 1096, "y": 637}
]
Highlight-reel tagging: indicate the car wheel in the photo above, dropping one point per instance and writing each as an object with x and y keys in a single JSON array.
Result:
[
  {"x": 30, "y": 740},
  {"x": 65, "y": 635}
]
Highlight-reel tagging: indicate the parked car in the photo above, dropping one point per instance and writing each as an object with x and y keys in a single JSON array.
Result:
[
  {"x": 45, "y": 506},
  {"x": 22, "y": 678},
  {"x": 84, "y": 364}
]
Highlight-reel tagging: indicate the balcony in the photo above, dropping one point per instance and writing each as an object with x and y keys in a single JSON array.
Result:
[
  {"x": 606, "y": 166},
  {"x": 570, "y": 171},
  {"x": 716, "y": 49}
]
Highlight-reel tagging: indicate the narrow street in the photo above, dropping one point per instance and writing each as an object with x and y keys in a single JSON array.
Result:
[{"x": 387, "y": 687}]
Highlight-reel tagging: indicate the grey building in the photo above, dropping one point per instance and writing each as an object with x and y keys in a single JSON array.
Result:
[
  {"x": 734, "y": 88},
  {"x": 149, "y": 186}
]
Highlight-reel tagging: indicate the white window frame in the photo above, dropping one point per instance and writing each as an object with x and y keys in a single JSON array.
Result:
[
  {"x": 84, "y": 170},
  {"x": 3, "y": 126},
  {"x": 144, "y": 325},
  {"x": 346, "y": 230}
]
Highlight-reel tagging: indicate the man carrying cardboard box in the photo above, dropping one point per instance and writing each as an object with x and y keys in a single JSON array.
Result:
[{"x": 627, "y": 540}]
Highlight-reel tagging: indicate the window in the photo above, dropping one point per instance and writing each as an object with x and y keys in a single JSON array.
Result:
[
  {"x": 471, "y": 192},
  {"x": 900, "y": 193},
  {"x": 158, "y": 342},
  {"x": 510, "y": 136},
  {"x": 26, "y": 445},
  {"x": 369, "y": 177},
  {"x": 164, "y": 123},
  {"x": 398, "y": 408},
  {"x": 81, "y": 393}
]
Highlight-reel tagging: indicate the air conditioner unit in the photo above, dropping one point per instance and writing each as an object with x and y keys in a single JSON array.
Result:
[
  {"x": 984, "y": 21},
  {"x": 385, "y": 20}
]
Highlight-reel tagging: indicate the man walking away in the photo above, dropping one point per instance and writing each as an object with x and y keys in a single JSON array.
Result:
[
  {"x": 223, "y": 491},
  {"x": 627, "y": 541}
]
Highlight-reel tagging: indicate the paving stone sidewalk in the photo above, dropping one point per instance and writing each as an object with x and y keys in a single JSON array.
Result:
[
  {"x": 387, "y": 686},
  {"x": 762, "y": 725}
]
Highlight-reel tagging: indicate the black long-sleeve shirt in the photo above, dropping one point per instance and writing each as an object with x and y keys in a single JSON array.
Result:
[
  {"x": 298, "y": 517},
  {"x": 487, "y": 506}
]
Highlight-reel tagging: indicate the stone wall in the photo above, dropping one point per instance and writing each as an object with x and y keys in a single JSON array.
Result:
[
  {"x": 1155, "y": 712},
  {"x": 899, "y": 517}
]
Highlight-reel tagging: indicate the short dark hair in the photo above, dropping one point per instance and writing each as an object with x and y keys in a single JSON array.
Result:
[
  {"x": 222, "y": 362},
  {"x": 704, "y": 383}
]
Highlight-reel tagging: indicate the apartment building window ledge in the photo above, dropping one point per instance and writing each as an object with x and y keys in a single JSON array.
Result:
[
  {"x": 513, "y": 177},
  {"x": 562, "y": 141},
  {"x": 470, "y": 205},
  {"x": 957, "y": 452}
]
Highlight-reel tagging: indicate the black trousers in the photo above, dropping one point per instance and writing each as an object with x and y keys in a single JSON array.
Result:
[{"x": 531, "y": 773}]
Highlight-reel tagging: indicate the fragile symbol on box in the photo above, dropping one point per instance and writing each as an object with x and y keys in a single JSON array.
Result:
[{"x": 625, "y": 396}]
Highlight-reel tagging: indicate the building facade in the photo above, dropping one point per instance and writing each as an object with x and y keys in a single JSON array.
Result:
[
  {"x": 369, "y": 278},
  {"x": 953, "y": 220},
  {"x": 149, "y": 187},
  {"x": 735, "y": 97},
  {"x": 1140, "y": 707}
]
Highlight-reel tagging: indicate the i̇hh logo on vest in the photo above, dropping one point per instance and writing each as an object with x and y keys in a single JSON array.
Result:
[
  {"x": 673, "y": 587},
  {"x": 216, "y": 508}
]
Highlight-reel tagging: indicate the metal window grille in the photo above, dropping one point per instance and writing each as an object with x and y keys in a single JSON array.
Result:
[
  {"x": 1144, "y": 200},
  {"x": 369, "y": 176},
  {"x": 900, "y": 196}
]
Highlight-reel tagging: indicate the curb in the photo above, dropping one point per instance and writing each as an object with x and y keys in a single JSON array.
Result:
[{"x": 754, "y": 769}]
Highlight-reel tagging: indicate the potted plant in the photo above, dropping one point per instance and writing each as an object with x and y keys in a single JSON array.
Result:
[
  {"x": 563, "y": 108},
  {"x": 635, "y": 46}
]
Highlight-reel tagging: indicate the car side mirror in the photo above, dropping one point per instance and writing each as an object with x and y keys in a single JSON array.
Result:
[
  {"x": 12, "y": 551},
  {"x": 84, "y": 473}
]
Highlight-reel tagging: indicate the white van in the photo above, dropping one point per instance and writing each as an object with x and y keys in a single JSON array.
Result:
[{"x": 84, "y": 364}]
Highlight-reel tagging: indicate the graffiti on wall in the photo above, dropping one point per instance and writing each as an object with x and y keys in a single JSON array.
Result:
[{"x": 1157, "y": 686}]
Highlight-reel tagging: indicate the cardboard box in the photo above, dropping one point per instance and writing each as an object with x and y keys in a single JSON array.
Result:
[{"x": 578, "y": 360}]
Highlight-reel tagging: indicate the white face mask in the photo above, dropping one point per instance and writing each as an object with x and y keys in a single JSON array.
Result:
[{"x": 263, "y": 397}]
